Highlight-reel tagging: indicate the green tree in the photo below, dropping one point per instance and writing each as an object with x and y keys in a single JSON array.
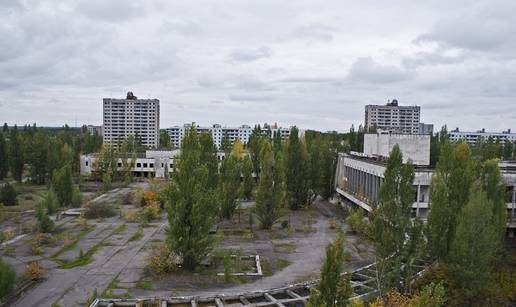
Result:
[
  {"x": 62, "y": 183},
  {"x": 8, "y": 195},
  {"x": 38, "y": 157},
  {"x": 449, "y": 194},
  {"x": 7, "y": 278},
  {"x": 334, "y": 290},
  {"x": 295, "y": 171},
  {"x": 493, "y": 184},
  {"x": 164, "y": 140},
  {"x": 474, "y": 247},
  {"x": 229, "y": 186},
  {"x": 432, "y": 295},
  {"x": 396, "y": 237},
  {"x": 225, "y": 144},
  {"x": 508, "y": 150},
  {"x": 4, "y": 158},
  {"x": 16, "y": 154},
  {"x": 190, "y": 204},
  {"x": 269, "y": 197},
  {"x": 45, "y": 224},
  {"x": 254, "y": 146},
  {"x": 209, "y": 158},
  {"x": 247, "y": 183},
  {"x": 76, "y": 197}
]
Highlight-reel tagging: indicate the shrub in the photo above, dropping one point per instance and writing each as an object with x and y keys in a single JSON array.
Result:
[
  {"x": 356, "y": 223},
  {"x": 76, "y": 197},
  {"x": 99, "y": 210},
  {"x": 8, "y": 195},
  {"x": 45, "y": 224},
  {"x": 138, "y": 198},
  {"x": 284, "y": 224},
  {"x": 150, "y": 212},
  {"x": 7, "y": 278},
  {"x": 228, "y": 268},
  {"x": 161, "y": 260},
  {"x": 34, "y": 271}
]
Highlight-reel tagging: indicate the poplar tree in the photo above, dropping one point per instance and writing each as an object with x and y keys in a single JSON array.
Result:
[
  {"x": 254, "y": 146},
  {"x": 38, "y": 157},
  {"x": 190, "y": 205},
  {"x": 474, "y": 247},
  {"x": 493, "y": 185},
  {"x": 295, "y": 171},
  {"x": 16, "y": 154},
  {"x": 247, "y": 182},
  {"x": 396, "y": 237},
  {"x": 334, "y": 289},
  {"x": 225, "y": 144},
  {"x": 209, "y": 158},
  {"x": 62, "y": 182},
  {"x": 269, "y": 196},
  {"x": 4, "y": 158},
  {"x": 229, "y": 186}
]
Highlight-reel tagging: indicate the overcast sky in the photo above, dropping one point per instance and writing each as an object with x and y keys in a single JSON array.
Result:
[{"x": 314, "y": 64}]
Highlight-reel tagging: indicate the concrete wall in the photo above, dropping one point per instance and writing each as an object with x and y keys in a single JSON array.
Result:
[{"x": 413, "y": 147}]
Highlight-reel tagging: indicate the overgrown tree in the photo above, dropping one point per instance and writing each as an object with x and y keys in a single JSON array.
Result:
[
  {"x": 8, "y": 195},
  {"x": 4, "y": 158},
  {"x": 269, "y": 196},
  {"x": 247, "y": 182},
  {"x": 474, "y": 247},
  {"x": 225, "y": 144},
  {"x": 295, "y": 171},
  {"x": 37, "y": 157},
  {"x": 62, "y": 183},
  {"x": 16, "y": 154},
  {"x": 190, "y": 204},
  {"x": 396, "y": 237},
  {"x": 7, "y": 278},
  {"x": 254, "y": 146},
  {"x": 334, "y": 289},
  {"x": 164, "y": 140},
  {"x": 50, "y": 201},
  {"x": 209, "y": 158},
  {"x": 492, "y": 183},
  {"x": 229, "y": 186}
]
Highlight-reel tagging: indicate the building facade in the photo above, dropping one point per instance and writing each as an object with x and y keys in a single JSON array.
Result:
[
  {"x": 131, "y": 116},
  {"x": 393, "y": 118},
  {"x": 94, "y": 130},
  {"x": 415, "y": 147},
  {"x": 359, "y": 178},
  {"x": 473, "y": 137},
  {"x": 217, "y": 132}
]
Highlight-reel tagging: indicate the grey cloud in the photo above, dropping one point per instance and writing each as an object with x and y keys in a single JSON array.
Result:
[
  {"x": 249, "y": 55},
  {"x": 249, "y": 97},
  {"x": 366, "y": 69},
  {"x": 112, "y": 10},
  {"x": 317, "y": 31}
]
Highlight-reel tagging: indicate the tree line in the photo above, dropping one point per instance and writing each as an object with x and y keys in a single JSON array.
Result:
[{"x": 279, "y": 174}]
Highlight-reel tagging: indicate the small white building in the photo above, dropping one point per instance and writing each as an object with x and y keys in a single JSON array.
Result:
[{"x": 153, "y": 164}]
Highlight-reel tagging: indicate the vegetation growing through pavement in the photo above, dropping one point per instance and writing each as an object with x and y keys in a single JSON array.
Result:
[{"x": 7, "y": 278}]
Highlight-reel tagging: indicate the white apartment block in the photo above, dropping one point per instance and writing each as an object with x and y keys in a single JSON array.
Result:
[
  {"x": 217, "y": 132},
  {"x": 131, "y": 116},
  {"x": 473, "y": 137},
  {"x": 415, "y": 147},
  {"x": 393, "y": 118}
]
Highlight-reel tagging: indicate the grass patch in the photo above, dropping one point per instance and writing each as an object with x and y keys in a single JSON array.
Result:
[
  {"x": 285, "y": 248},
  {"x": 138, "y": 235},
  {"x": 266, "y": 267},
  {"x": 73, "y": 244},
  {"x": 283, "y": 263},
  {"x": 121, "y": 229},
  {"x": 145, "y": 285}
]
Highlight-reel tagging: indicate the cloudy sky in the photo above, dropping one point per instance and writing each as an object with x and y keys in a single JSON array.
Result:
[{"x": 314, "y": 64}]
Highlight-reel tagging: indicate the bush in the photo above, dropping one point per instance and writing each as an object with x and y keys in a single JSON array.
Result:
[
  {"x": 284, "y": 224},
  {"x": 161, "y": 261},
  {"x": 7, "y": 278},
  {"x": 34, "y": 271},
  {"x": 45, "y": 224},
  {"x": 357, "y": 223},
  {"x": 8, "y": 195},
  {"x": 99, "y": 210},
  {"x": 150, "y": 212},
  {"x": 76, "y": 197}
]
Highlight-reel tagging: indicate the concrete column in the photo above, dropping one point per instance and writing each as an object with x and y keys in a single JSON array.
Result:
[{"x": 418, "y": 194}]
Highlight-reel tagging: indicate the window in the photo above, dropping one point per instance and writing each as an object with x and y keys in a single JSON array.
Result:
[
  {"x": 138, "y": 165},
  {"x": 144, "y": 164},
  {"x": 151, "y": 165},
  {"x": 87, "y": 163}
]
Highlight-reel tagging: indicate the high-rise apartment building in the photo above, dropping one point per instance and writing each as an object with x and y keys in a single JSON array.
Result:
[
  {"x": 483, "y": 135},
  {"x": 217, "y": 132},
  {"x": 393, "y": 118},
  {"x": 131, "y": 116}
]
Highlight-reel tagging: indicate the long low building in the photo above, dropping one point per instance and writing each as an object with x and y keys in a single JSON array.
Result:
[
  {"x": 359, "y": 177},
  {"x": 153, "y": 164}
]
